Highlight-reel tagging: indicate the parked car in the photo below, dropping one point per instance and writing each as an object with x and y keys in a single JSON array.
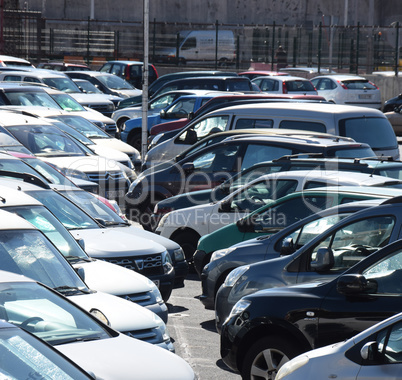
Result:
[
  {"x": 61, "y": 82},
  {"x": 50, "y": 143},
  {"x": 391, "y": 104},
  {"x": 395, "y": 118},
  {"x": 111, "y": 244},
  {"x": 131, "y": 130},
  {"x": 251, "y": 74},
  {"x": 7, "y": 60},
  {"x": 216, "y": 83},
  {"x": 285, "y": 85},
  {"x": 377, "y": 166},
  {"x": 375, "y": 352},
  {"x": 269, "y": 219},
  {"x": 348, "y": 89},
  {"x": 372, "y": 127},
  {"x": 97, "y": 274},
  {"x": 209, "y": 167},
  {"x": 204, "y": 219},
  {"x": 288, "y": 321},
  {"x": 20, "y": 254},
  {"x": 107, "y": 83},
  {"x": 63, "y": 66},
  {"x": 18, "y": 347},
  {"x": 242, "y": 256},
  {"x": 131, "y": 71},
  {"x": 83, "y": 338}
]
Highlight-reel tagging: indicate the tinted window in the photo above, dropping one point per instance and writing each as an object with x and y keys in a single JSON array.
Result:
[
  {"x": 299, "y": 85},
  {"x": 258, "y": 153},
  {"x": 204, "y": 128},
  {"x": 304, "y": 125},
  {"x": 253, "y": 123},
  {"x": 375, "y": 131},
  {"x": 237, "y": 85},
  {"x": 219, "y": 159},
  {"x": 359, "y": 85}
]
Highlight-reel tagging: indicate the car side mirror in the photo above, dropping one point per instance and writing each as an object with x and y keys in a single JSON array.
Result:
[
  {"x": 324, "y": 260},
  {"x": 190, "y": 115},
  {"x": 81, "y": 272},
  {"x": 188, "y": 167},
  {"x": 162, "y": 114},
  {"x": 370, "y": 351},
  {"x": 81, "y": 243},
  {"x": 288, "y": 247},
  {"x": 226, "y": 206},
  {"x": 350, "y": 284},
  {"x": 246, "y": 224}
]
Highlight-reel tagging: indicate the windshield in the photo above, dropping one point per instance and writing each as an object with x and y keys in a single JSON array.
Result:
[
  {"x": 17, "y": 351},
  {"x": 67, "y": 103},
  {"x": 87, "y": 86},
  {"x": 46, "y": 141},
  {"x": 29, "y": 253},
  {"x": 72, "y": 132},
  {"x": 18, "y": 166},
  {"x": 114, "y": 82},
  {"x": 44, "y": 221},
  {"x": 27, "y": 304},
  {"x": 94, "y": 207},
  {"x": 70, "y": 215},
  {"x": 62, "y": 84},
  {"x": 82, "y": 125},
  {"x": 23, "y": 98}
]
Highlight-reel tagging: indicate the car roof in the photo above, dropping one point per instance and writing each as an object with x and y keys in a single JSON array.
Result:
[
  {"x": 286, "y": 78},
  {"x": 38, "y": 73},
  {"x": 12, "y": 117},
  {"x": 341, "y": 77},
  {"x": 264, "y": 72},
  {"x": 127, "y": 62},
  {"x": 11, "y": 193},
  {"x": 91, "y": 73}
]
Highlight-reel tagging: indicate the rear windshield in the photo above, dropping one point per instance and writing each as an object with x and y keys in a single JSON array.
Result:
[
  {"x": 359, "y": 85},
  {"x": 375, "y": 131}
]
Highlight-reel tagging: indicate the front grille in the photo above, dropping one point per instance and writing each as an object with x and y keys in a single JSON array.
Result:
[
  {"x": 105, "y": 109},
  {"x": 153, "y": 336},
  {"x": 142, "y": 299},
  {"x": 106, "y": 176},
  {"x": 146, "y": 265},
  {"x": 110, "y": 128}
]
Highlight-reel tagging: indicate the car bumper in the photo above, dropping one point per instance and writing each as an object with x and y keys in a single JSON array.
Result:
[
  {"x": 165, "y": 283},
  {"x": 208, "y": 283},
  {"x": 160, "y": 310},
  {"x": 222, "y": 307},
  {"x": 181, "y": 271},
  {"x": 229, "y": 348},
  {"x": 199, "y": 259}
]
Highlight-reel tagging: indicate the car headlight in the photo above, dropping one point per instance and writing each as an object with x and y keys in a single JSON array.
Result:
[
  {"x": 179, "y": 254},
  {"x": 74, "y": 173},
  {"x": 134, "y": 184},
  {"x": 155, "y": 140},
  {"x": 239, "y": 308},
  {"x": 110, "y": 107},
  {"x": 220, "y": 253},
  {"x": 291, "y": 366},
  {"x": 166, "y": 263},
  {"x": 234, "y": 275},
  {"x": 99, "y": 124},
  {"x": 98, "y": 314},
  {"x": 155, "y": 292},
  {"x": 163, "y": 329}
]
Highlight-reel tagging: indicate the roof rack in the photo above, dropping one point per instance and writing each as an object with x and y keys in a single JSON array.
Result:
[
  {"x": 26, "y": 177},
  {"x": 393, "y": 200},
  {"x": 375, "y": 158},
  {"x": 297, "y": 155}
]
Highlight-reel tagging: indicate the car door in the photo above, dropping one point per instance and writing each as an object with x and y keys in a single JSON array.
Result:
[{"x": 342, "y": 316}]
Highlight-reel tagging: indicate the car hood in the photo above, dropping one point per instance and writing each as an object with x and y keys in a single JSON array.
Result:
[
  {"x": 126, "y": 93},
  {"x": 122, "y": 314},
  {"x": 122, "y": 358},
  {"x": 93, "y": 115},
  {"x": 111, "y": 278},
  {"x": 109, "y": 153},
  {"x": 110, "y": 242},
  {"x": 83, "y": 98},
  {"x": 116, "y": 144},
  {"x": 86, "y": 164}
]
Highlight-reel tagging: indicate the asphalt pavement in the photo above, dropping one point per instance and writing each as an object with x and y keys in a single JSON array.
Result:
[{"x": 192, "y": 328}]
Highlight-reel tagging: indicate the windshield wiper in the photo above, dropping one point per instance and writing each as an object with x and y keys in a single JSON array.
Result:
[
  {"x": 68, "y": 290},
  {"x": 113, "y": 223},
  {"x": 78, "y": 258}
]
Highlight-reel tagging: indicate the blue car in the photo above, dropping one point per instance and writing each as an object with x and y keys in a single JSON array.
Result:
[{"x": 132, "y": 129}]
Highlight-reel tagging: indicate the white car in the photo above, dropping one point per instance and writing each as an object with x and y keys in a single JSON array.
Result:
[
  {"x": 348, "y": 89},
  {"x": 99, "y": 275},
  {"x": 203, "y": 219},
  {"x": 375, "y": 353},
  {"x": 91, "y": 344},
  {"x": 285, "y": 85},
  {"x": 26, "y": 250}
]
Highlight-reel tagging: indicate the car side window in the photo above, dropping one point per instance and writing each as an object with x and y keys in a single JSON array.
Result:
[
  {"x": 181, "y": 109},
  {"x": 387, "y": 274},
  {"x": 106, "y": 67},
  {"x": 191, "y": 43},
  {"x": 253, "y": 123},
  {"x": 390, "y": 343},
  {"x": 202, "y": 129},
  {"x": 12, "y": 78},
  {"x": 303, "y": 125},
  {"x": 162, "y": 102},
  {"x": 256, "y": 153},
  {"x": 218, "y": 160},
  {"x": 315, "y": 184},
  {"x": 355, "y": 241}
]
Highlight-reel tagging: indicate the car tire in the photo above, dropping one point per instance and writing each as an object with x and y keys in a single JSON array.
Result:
[
  {"x": 120, "y": 122},
  {"x": 266, "y": 356},
  {"x": 188, "y": 241},
  {"x": 135, "y": 141}
]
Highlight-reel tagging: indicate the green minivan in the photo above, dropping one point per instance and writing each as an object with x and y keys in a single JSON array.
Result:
[{"x": 281, "y": 213}]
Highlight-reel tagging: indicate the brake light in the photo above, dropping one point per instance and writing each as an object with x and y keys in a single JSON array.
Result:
[
  {"x": 284, "y": 88},
  {"x": 342, "y": 85},
  {"x": 127, "y": 72},
  {"x": 373, "y": 85},
  {"x": 156, "y": 73}
]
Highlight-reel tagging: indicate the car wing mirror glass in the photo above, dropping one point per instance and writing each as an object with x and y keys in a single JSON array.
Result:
[
  {"x": 81, "y": 272},
  {"x": 246, "y": 224},
  {"x": 288, "y": 247},
  {"x": 190, "y": 115},
  {"x": 370, "y": 351},
  {"x": 350, "y": 284},
  {"x": 162, "y": 114},
  {"x": 226, "y": 206},
  {"x": 324, "y": 260},
  {"x": 81, "y": 243},
  {"x": 188, "y": 167}
]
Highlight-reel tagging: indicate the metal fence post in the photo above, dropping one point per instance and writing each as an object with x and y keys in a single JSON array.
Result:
[
  {"x": 357, "y": 47},
  {"x": 216, "y": 44},
  {"x": 319, "y": 46},
  {"x": 294, "y": 51},
  {"x": 237, "y": 52},
  {"x": 177, "y": 48},
  {"x": 87, "y": 59},
  {"x": 273, "y": 47},
  {"x": 397, "y": 49},
  {"x": 154, "y": 41}
]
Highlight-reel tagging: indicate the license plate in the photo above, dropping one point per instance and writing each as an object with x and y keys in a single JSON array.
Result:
[
  {"x": 156, "y": 282},
  {"x": 365, "y": 96},
  {"x": 112, "y": 194}
]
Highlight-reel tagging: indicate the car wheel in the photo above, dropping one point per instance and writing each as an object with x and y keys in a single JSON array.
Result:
[
  {"x": 188, "y": 240},
  {"x": 135, "y": 141},
  {"x": 266, "y": 356},
  {"x": 120, "y": 122}
]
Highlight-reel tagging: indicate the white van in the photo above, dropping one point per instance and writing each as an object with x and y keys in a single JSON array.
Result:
[
  {"x": 365, "y": 125},
  {"x": 200, "y": 46}
]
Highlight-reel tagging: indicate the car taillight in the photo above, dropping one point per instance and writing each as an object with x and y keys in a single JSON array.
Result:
[
  {"x": 284, "y": 88},
  {"x": 342, "y": 85},
  {"x": 373, "y": 85},
  {"x": 127, "y": 72},
  {"x": 156, "y": 73}
]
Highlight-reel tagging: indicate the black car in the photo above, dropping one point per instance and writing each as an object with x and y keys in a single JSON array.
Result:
[
  {"x": 282, "y": 322},
  {"x": 391, "y": 104},
  {"x": 211, "y": 166}
]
